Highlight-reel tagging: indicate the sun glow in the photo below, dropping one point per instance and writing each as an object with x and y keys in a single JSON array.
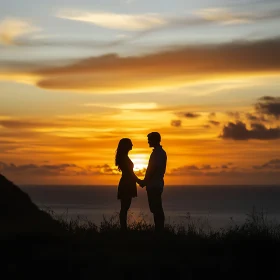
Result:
[
  {"x": 140, "y": 161},
  {"x": 139, "y": 166}
]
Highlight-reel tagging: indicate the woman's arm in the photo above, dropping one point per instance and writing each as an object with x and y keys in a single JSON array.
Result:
[{"x": 137, "y": 180}]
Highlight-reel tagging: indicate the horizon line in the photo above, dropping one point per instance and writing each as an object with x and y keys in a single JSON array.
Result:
[{"x": 188, "y": 185}]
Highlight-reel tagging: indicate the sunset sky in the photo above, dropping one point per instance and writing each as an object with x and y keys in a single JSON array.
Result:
[{"x": 77, "y": 76}]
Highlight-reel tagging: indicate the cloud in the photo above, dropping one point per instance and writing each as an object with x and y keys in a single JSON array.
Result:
[
  {"x": 235, "y": 115},
  {"x": 269, "y": 105},
  {"x": 147, "y": 23},
  {"x": 126, "y": 106},
  {"x": 40, "y": 170},
  {"x": 216, "y": 123},
  {"x": 272, "y": 164},
  {"x": 173, "y": 68},
  {"x": 64, "y": 169},
  {"x": 208, "y": 17},
  {"x": 251, "y": 117},
  {"x": 230, "y": 17},
  {"x": 12, "y": 28},
  {"x": 105, "y": 169},
  {"x": 254, "y": 118},
  {"x": 266, "y": 171},
  {"x": 190, "y": 168},
  {"x": 212, "y": 115},
  {"x": 164, "y": 69},
  {"x": 141, "y": 172},
  {"x": 17, "y": 124},
  {"x": 83, "y": 121},
  {"x": 176, "y": 123},
  {"x": 115, "y": 21},
  {"x": 267, "y": 98},
  {"x": 143, "y": 24},
  {"x": 190, "y": 115},
  {"x": 239, "y": 131},
  {"x": 206, "y": 126},
  {"x": 71, "y": 42},
  {"x": 205, "y": 170},
  {"x": 225, "y": 16},
  {"x": 261, "y": 172}
]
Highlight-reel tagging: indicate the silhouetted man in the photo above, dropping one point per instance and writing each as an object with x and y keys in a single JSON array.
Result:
[{"x": 154, "y": 181}]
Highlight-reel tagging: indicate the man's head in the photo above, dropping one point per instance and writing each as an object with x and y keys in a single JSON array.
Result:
[{"x": 154, "y": 139}]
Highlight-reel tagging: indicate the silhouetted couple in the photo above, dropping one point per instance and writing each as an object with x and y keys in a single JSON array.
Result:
[{"x": 153, "y": 180}]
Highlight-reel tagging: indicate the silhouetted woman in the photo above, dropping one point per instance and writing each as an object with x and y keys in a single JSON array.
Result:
[{"x": 127, "y": 186}]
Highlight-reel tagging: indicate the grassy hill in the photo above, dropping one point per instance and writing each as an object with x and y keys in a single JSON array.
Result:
[{"x": 38, "y": 245}]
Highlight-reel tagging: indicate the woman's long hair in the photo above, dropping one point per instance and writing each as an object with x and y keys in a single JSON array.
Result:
[{"x": 122, "y": 151}]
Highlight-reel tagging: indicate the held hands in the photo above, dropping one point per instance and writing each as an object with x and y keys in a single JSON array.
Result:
[{"x": 141, "y": 183}]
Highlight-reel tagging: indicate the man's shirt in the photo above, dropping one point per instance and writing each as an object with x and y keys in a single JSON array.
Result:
[{"x": 156, "y": 169}]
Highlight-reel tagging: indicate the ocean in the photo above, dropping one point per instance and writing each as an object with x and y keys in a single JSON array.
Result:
[{"x": 215, "y": 206}]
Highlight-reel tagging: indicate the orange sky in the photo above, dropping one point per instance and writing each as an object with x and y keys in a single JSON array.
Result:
[
  {"x": 71, "y": 88},
  {"x": 79, "y": 149}
]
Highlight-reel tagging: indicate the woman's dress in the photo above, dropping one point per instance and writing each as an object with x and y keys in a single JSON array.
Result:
[{"x": 127, "y": 186}]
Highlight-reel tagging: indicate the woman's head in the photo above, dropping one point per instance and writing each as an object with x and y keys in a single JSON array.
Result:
[{"x": 124, "y": 146}]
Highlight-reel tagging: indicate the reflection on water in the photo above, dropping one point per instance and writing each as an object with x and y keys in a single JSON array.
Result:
[{"x": 219, "y": 206}]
